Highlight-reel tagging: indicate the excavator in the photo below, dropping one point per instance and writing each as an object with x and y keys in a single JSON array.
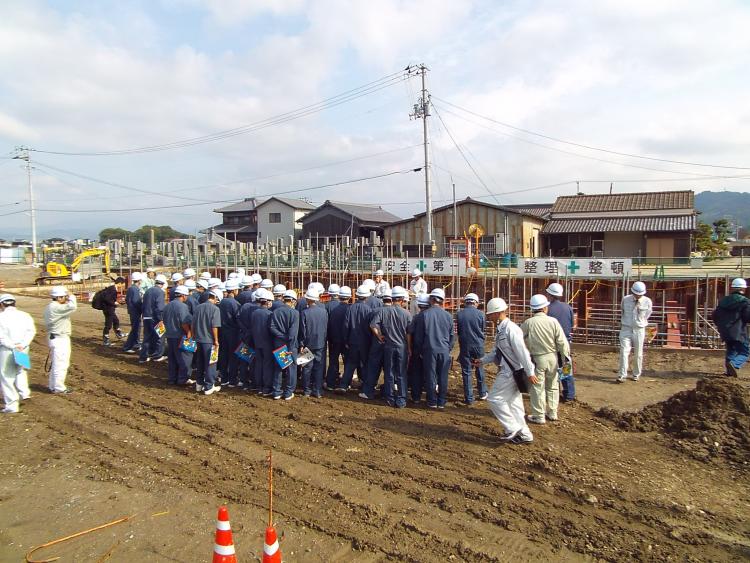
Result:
[{"x": 58, "y": 271}]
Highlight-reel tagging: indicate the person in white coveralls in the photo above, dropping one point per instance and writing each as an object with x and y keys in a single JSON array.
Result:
[
  {"x": 57, "y": 322},
  {"x": 636, "y": 310},
  {"x": 16, "y": 333}
]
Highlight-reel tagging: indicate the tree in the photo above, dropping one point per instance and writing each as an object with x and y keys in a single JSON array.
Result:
[
  {"x": 704, "y": 239},
  {"x": 112, "y": 233},
  {"x": 161, "y": 233},
  {"x": 723, "y": 229}
]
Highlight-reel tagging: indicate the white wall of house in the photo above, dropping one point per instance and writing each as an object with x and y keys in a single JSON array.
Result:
[{"x": 278, "y": 220}]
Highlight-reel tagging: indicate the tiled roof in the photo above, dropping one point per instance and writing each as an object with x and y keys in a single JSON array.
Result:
[
  {"x": 234, "y": 228},
  {"x": 248, "y": 204},
  {"x": 538, "y": 211},
  {"x": 621, "y": 224},
  {"x": 684, "y": 199},
  {"x": 541, "y": 210},
  {"x": 294, "y": 203},
  {"x": 373, "y": 214}
]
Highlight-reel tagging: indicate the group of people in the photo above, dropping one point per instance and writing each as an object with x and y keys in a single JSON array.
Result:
[{"x": 235, "y": 333}]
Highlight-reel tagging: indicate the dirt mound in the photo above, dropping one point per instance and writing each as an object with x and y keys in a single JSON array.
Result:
[{"x": 712, "y": 420}]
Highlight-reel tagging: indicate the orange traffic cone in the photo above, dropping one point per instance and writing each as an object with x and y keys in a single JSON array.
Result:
[
  {"x": 223, "y": 546},
  {"x": 271, "y": 551}
]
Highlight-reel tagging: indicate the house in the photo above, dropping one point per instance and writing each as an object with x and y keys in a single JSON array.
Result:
[
  {"x": 278, "y": 217},
  {"x": 506, "y": 228},
  {"x": 239, "y": 221},
  {"x": 335, "y": 218},
  {"x": 656, "y": 224}
]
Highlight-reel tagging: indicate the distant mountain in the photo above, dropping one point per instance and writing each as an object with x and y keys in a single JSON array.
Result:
[{"x": 716, "y": 205}]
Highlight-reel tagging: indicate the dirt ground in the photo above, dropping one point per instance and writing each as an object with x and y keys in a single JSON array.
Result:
[{"x": 359, "y": 481}]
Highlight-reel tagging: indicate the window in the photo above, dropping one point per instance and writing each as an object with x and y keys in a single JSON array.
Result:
[{"x": 274, "y": 217}]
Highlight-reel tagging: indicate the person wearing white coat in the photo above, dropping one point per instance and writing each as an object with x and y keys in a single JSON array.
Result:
[
  {"x": 417, "y": 287},
  {"x": 57, "y": 322},
  {"x": 510, "y": 354},
  {"x": 636, "y": 310},
  {"x": 16, "y": 333}
]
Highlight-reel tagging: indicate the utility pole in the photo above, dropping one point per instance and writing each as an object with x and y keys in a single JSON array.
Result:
[
  {"x": 422, "y": 111},
  {"x": 24, "y": 155}
]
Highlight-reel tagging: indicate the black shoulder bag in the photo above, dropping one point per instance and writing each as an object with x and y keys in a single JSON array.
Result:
[{"x": 519, "y": 375}]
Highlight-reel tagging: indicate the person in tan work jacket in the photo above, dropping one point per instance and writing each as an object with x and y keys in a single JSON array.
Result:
[{"x": 545, "y": 340}]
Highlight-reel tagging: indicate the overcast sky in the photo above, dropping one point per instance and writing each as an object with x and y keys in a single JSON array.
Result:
[{"x": 668, "y": 80}]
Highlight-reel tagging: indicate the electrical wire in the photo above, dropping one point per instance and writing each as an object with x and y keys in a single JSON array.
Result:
[
  {"x": 590, "y": 147},
  {"x": 234, "y": 200},
  {"x": 327, "y": 103}
]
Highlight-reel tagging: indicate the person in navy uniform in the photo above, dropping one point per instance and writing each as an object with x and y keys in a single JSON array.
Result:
[
  {"x": 285, "y": 332},
  {"x": 436, "y": 335},
  {"x": 206, "y": 324},
  {"x": 415, "y": 368},
  {"x": 389, "y": 325},
  {"x": 229, "y": 335},
  {"x": 357, "y": 338},
  {"x": 134, "y": 304},
  {"x": 336, "y": 341},
  {"x": 261, "y": 341},
  {"x": 154, "y": 301},
  {"x": 470, "y": 323},
  {"x": 376, "y": 358},
  {"x": 312, "y": 335},
  {"x": 177, "y": 322}
]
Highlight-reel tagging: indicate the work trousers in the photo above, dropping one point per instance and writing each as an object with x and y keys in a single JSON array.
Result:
[
  {"x": 312, "y": 373},
  {"x": 285, "y": 380},
  {"x": 545, "y": 395},
  {"x": 229, "y": 339},
  {"x": 737, "y": 352},
  {"x": 373, "y": 366},
  {"x": 394, "y": 367},
  {"x": 631, "y": 339},
  {"x": 415, "y": 374},
  {"x": 335, "y": 351},
  {"x": 134, "y": 336},
  {"x": 356, "y": 357},
  {"x": 265, "y": 369},
  {"x": 206, "y": 371},
  {"x": 436, "y": 364},
  {"x": 153, "y": 344},
  {"x": 59, "y": 351},
  {"x": 13, "y": 380},
  {"x": 464, "y": 359},
  {"x": 179, "y": 362},
  {"x": 506, "y": 404},
  {"x": 111, "y": 320}
]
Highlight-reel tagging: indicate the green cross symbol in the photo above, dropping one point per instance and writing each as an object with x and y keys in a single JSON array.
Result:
[
  {"x": 422, "y": 265},
  {"x": 572, "y": 267}
]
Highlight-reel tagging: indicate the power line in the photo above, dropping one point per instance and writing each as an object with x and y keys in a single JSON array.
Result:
[
  {"x": 235, "y": 200},
  {"x": 327, "y": 103},
  {"x": 590, "y": 147}
]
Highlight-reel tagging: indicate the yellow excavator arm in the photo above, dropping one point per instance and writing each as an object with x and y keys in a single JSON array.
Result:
[{"x": 59, "y": 270}]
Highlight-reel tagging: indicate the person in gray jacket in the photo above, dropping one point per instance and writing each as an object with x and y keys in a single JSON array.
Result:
[
  {"x": 177, "y": 322},
  {"x": 437, "y": 336},
  {"x": 285, "y": 332},
  {"x": 313, "y": 332},
  {"x": 470, "y": 322}
]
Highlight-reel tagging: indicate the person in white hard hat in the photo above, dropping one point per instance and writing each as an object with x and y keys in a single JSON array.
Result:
[
  {"x": 636, "y": 310},
  {"x": 415, "y": 369},
  {"x": 372, "y": 301},
  {"x": 17, "y": 330},
  {"x": 336, "y": 342},
  {"x": 417, "y": 287},
  {"x": 189, "y": 274},
  {"x": 134, "y": 304},
  {"x": 313, "y": 336},
  {"x": 229, "y": 336},
  {"x": 177, "y": 279},
  {"x": 262, "y": 342},
  {"x": 148, "y": 281},
  {"x": 278, "y": 296},
  {"x": 246, "y": 295},
  {"x": 731, "y": 317},
  {"x": 545, "y": 340},
  {"x": 205, "y": 327},
  {"x": 470, "y": 322},
  {"x": 380, "y": 284},
  {"x": 559, "y": 310},
  {"x": 357, "y": 338},
  {"x": 437, "y": 336},
  {"x": 154, "y": 301},
  {"x": 285, "y": 332},
  {"x": 57, "y": 322},
  {"x": 178, "y": 325},
  {"x": 510, "y": 354}
]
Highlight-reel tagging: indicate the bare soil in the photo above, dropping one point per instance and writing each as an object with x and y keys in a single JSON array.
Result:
[{"x": 359, "y": 481}]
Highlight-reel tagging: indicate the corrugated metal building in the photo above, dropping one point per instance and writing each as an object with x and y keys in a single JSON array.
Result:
[{"x": 507, "y": 228}]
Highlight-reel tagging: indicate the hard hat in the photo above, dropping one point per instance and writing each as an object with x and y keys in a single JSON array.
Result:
[
  {"x": 345, "y": 292},
  {"x": 205, "y": 276},
  {"x": 387, "y": 294},
  {"x": 214, "y": 282},
  {"x": 363, "y": 291},
  {"x": 423, "y": 300},
  {"x": 190, "y": 284},
  {"x": 257, "y": 278},
  {"x": 6, "y": 297},
  {"x": 233, "y": 275},
  {"x": 496, "y": 305},
  {"x": 334, "y": 289},
  {"x": 369, "y": 283},
  {"x": 136, "y": 276},
  {"x": 222, "y": 286},
  {"x": 247, "y": 281},
  {"x": 739, "y": 283},
  {"x": 416, "y": 273},
  {"x": 218, "y": 294},
  {"x": 639, "y": 288},
  {"x": 555, "y": 289},
  {"x": 177, "y": 276},
  {"x": 262, "y": 294},
  {"x": 189, "y": 273},
  {"x": 148, "y": 270},
  {"x": 58, "y": 291},
  {"x": 161, "y": 279},
  {"x": 538, "y": 301},
  {"x": 320, "y": 287},
  {"x": 379, "y": 273},
  {"x": 231, "y": 284},
  {"x": 203, "y": 284},
  {"x": 399, "y": 292},
  {"x": 312, "y": 294},
  {"x": 471, "y": 297},
  {"x": 438, "y": 293},
  {"x": 266, "y": 284},
  {"x": 279, "y": 289},
  {"x": 181, "y": 290},
  {"x": 290, "y": 294}
]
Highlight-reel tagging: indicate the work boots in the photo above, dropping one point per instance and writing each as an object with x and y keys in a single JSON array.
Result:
[
  {"x": 120, "y": 334},
  {"x": 106, "y": 341}
]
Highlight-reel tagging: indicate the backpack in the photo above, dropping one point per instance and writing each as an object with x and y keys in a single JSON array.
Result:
[{"x": 96, "y": 302}]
